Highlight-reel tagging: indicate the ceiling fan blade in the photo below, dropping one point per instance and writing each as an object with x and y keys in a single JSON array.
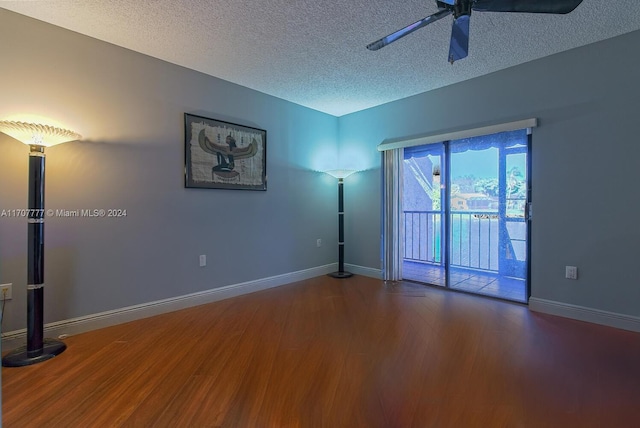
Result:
[
  {"x": 526, "y": 6},
  {"x": 459, "y": 46},
  {"x": 408, "y": 30}
]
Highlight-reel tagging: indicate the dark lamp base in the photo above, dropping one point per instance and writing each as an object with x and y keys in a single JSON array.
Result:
[
  {"x": 20, "y": 357},
  {"x": 341, "y": 274}
]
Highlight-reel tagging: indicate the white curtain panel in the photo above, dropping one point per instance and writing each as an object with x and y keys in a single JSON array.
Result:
[{"x": 393, "y": 224}]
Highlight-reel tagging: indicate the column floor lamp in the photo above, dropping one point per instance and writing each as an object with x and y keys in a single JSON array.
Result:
[
  {"x": 37, "y": 137},
  {"x": 340, "y": 174}
]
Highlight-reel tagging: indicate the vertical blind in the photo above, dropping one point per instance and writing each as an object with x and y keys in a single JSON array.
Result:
[{"x": 392, "y": 234}]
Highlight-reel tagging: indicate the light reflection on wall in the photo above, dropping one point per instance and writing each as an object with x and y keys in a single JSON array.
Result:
[
  {"x": 358, "y": 158},
  {"x": 325, "y": 159},
  {"x": 321, "y": 158}
]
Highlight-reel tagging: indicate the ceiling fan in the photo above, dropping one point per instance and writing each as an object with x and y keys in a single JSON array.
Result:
[{"x": 461, "y": 10}]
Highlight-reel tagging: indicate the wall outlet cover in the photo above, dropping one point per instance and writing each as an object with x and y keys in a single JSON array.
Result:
[
  {"x": 8, "y": 295},
  {"x": 571, "y": 272}
]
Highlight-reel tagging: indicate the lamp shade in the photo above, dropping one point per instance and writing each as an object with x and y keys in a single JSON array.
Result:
[
  {"x": 340, "y": 173},
  {"x": 37, "y": 134}
]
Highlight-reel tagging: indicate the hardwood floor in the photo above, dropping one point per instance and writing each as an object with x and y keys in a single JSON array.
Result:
[{"x": 337, "y": 353}]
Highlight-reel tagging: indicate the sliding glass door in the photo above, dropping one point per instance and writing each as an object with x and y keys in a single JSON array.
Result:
[{"x": 465, "y": 214}]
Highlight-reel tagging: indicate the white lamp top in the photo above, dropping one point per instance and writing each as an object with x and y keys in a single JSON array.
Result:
[
  {"x": 341, "y": 173},
  {"x": 37, "y": 134}
]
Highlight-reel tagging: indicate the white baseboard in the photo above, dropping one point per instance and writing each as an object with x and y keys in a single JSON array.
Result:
[
  {"x": 581, "y": 313},
  {"x": 17, "y": 338},
  {"x": 364, "y": 271}
]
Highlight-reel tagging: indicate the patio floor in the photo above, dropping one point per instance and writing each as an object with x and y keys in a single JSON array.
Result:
[{"x": 485, "y": 283}]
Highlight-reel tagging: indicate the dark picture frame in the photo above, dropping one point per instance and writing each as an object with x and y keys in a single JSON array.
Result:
[{"x": 224, "y": 155}]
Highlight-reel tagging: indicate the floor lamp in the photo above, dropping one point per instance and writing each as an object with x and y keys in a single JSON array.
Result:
[
  {"x": 37, "y": 137},
  {"x": 340, "y": 174}
]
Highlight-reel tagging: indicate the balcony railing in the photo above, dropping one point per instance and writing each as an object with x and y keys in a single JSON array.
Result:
[{"x": 474, "y": 238}]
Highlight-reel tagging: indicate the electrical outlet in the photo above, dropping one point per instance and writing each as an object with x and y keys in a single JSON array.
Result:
[
  {"x": 5, "y": 295},
  {"x": 203, "y": 260},
  {"x": 318, "y": 243},
  {"x": 571, "y": 272}
]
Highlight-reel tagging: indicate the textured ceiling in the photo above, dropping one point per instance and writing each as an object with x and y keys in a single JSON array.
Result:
[{"x": 312, "y": 52}]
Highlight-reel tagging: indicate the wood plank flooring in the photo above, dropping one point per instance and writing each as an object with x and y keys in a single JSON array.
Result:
[{"x": 337, "y": 353}]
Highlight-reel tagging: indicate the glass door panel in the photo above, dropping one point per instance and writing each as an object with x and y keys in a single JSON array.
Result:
[
  {"x": 474, "y": 217},
  {"x": 423, "y": 214}
]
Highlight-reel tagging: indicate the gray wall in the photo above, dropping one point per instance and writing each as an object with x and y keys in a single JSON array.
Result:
[
  {"x": 129, "y": 108},
  {"x": 585, "y": 164}
]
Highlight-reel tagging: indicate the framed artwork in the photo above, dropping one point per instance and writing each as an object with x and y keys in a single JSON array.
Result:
[{"x": 223, "y": 155}]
